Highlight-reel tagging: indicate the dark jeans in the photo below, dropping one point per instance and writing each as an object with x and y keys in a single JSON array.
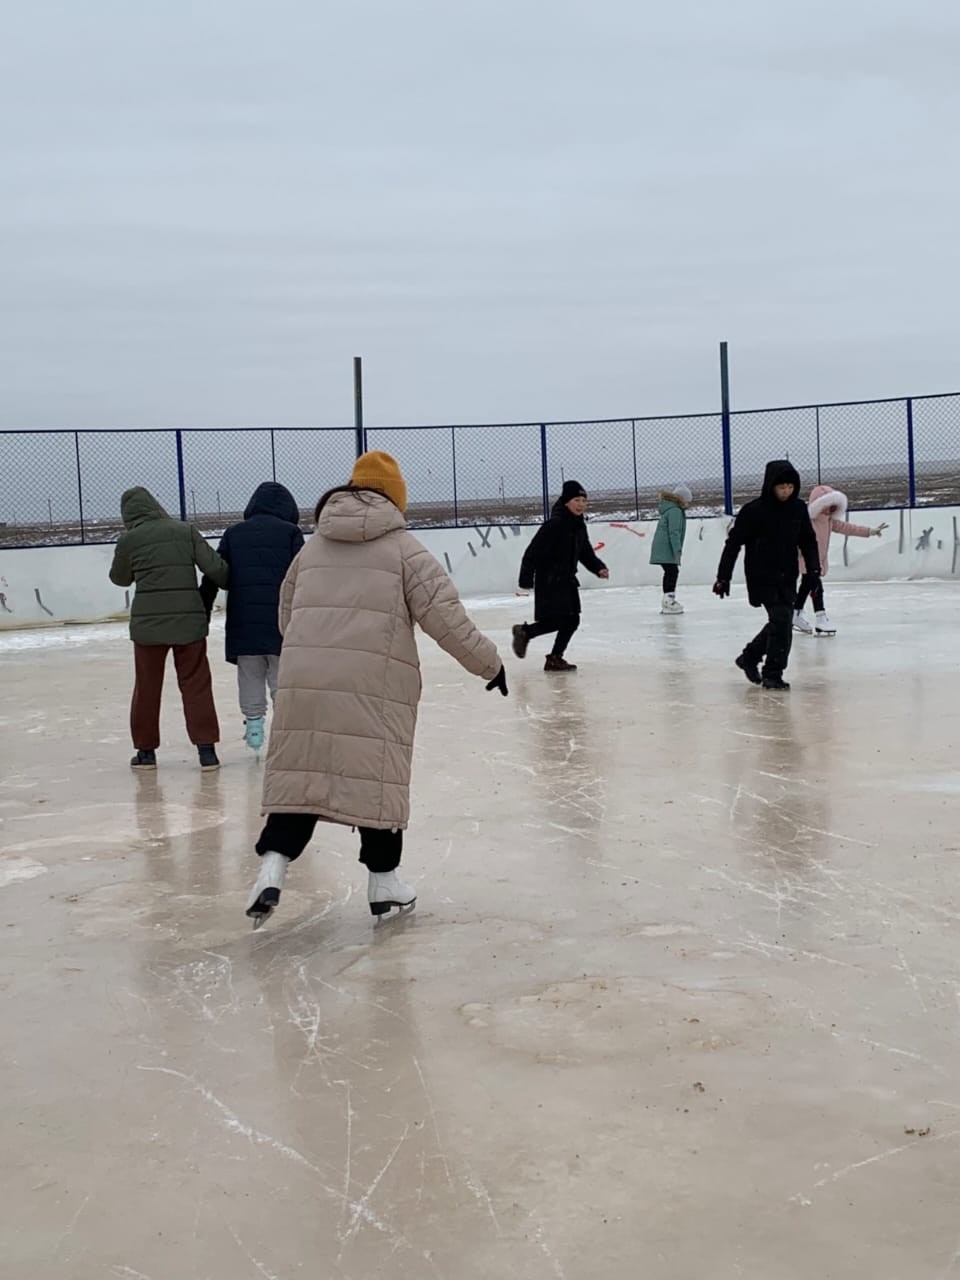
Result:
[
  {"x": 811, "y": 586},
  {"x": 564, "y": 626},
  {"x": 196, "y": 693},
  {"x": 671, "y": 572},
  {"x": 774, "y": 641},
  {"x": 290, "y": 833}
]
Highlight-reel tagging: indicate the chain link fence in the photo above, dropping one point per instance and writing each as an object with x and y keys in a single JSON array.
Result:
[{"x": 64, "y": 487}]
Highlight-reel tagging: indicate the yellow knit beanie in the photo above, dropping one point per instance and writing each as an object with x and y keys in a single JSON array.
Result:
[{"x": 377, "y": 470}]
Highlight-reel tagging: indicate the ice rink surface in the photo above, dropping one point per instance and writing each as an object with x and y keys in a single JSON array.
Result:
[{"x": 680, "y": 1000}]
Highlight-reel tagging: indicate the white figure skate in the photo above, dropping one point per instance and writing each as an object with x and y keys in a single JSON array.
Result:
[
  {"x": 824, "y": 626},
  {"x": 385, "y": 890},
  {"x": 266, "y": 891}
]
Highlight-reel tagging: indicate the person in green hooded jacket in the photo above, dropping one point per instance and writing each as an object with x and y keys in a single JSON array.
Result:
[
  {"x": 667, "y": 549},
  {"x": 161, "y": 556}
]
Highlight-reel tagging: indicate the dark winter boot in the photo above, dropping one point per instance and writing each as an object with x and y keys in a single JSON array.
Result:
[
  {"x": 520, "y": 640},
  {"x": 553, "y": 663},
  {"x": 208, "y": 758},
  {"x": 775, "y": 682},
  {"x": 144, "y": 760},
  {"x": 749, "y": 668}
]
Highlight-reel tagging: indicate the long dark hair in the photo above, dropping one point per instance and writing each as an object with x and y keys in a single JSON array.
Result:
[{"x": 344, "y": 488}]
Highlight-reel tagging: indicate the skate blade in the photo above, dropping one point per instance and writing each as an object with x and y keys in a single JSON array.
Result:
[{"x": 391, "y": 910}]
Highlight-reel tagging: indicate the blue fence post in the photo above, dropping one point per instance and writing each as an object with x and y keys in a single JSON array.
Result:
[
  {"x": 273, "y": 455},
  {"x": 725, "y": 430},
  {"x": 911, "y": 456},
  {"x": 76, "y": 450},
  {"x": 543, "y": 470},
  {"x": 453, "y": 450},
  {"x": 181, "y": 483}
]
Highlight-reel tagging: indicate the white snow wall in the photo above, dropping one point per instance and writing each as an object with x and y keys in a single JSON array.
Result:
[{"x": 46, "y": 586}]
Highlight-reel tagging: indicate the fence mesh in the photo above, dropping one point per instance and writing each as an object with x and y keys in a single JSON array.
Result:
[
  {"x": 426, "y": 458},
  {"x": 221, "y": 469},
  {"x": 311, "y": 461},
  {"x": 62, "y": 487},
  {"x": 687, "y": 450},
  {"x": 39, "y": 493},
  {"x": 936, "y": 431},
  {"x": 600, "y": 455},
  {"x": 112, "y": 461},
  {"x": 864, "y": 452}
]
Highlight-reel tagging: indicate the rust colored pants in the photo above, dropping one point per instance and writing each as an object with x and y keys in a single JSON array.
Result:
[{"x": 196, "y": 692}]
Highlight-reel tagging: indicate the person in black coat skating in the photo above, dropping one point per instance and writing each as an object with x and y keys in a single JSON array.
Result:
[
  {"x": 549, "y": 568},
  {"x": 772, "y": 528},
  {"x": 259, "y": 552}
]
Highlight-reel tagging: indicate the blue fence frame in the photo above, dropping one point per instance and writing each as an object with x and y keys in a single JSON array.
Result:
[{"x": 63, "y": 487}]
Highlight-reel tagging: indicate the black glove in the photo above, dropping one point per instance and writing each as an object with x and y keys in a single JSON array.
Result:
[
  {"x": 499, "y": 682},
  {"x": 721, "y": 588}
]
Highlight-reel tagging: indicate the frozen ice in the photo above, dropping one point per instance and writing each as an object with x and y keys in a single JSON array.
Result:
[{"x": 680, "y": 997}]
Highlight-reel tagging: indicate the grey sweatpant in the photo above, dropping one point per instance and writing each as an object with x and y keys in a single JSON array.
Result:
[{"x": 256, "y": 672}]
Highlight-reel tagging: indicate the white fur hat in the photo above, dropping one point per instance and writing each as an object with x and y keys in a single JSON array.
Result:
[{"x": 683, "y": 492}]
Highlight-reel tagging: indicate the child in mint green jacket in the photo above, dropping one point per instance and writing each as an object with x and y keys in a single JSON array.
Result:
[{"x": 667, "y": 548}]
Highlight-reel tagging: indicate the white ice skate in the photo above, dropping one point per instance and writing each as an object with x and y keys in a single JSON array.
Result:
[
  {"x": 386, "y": 890},
  {"x": 266, "y": 892},
  {"x": 824, "y": 626},
  {"x": 802, "y": 623},
  {"x": 670, "y": 604}
]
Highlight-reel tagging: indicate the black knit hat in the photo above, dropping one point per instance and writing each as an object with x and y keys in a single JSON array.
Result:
[{"x": 572, "y": 489}]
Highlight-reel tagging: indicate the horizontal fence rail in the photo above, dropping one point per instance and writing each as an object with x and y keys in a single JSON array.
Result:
[{"x": 63, "y": 487}]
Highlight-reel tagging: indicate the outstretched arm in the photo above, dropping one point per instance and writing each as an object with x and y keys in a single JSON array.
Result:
[
  {"x": 855, "y": 530},
  {"x": 209, "y": 588},
  {"x": 207, "y": 560},
  {"x": 435, "y": 605}
]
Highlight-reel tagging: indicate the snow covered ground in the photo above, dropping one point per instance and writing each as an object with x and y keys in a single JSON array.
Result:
[{"x": 680, "y": 998}]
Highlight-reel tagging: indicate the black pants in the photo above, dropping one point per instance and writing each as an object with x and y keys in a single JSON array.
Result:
[
  {"x": 773, "y": 641},
  {"x": 810, "y": 586},
  {"x": 289, "y": 834},
  {"x": 671, "y": 572},
  {"x": 564, "y": 626}
]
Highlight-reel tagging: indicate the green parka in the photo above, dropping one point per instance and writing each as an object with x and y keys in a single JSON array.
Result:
[
  {"x": 161, "y": 556},
  {"x": 671, "y": 530}
]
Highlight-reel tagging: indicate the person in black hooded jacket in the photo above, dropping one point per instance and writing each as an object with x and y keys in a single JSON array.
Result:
[
  {"x": 259, "y": 552},
  {"x": 772, "y": 528},
  {"x": 549, "y": 569}
]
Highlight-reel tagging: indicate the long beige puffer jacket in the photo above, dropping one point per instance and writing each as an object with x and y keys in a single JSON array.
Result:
[{"x": 341, "y": 745}]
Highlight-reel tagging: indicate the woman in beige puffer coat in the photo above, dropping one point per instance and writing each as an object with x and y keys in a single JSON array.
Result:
[{"x": 341, "y": 744}]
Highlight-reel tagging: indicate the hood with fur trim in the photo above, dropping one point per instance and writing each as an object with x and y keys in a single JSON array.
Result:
[{"x": 824, "y": 499}]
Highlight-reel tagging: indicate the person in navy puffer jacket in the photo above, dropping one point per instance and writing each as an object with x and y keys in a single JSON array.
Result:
[{"x": 259, "y": 552}]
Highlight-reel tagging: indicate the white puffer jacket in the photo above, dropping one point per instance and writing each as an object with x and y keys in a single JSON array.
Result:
[{"x": 341, "y": 745}]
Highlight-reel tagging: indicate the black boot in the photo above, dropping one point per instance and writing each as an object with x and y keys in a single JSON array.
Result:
[
  {"x": 749, "y": 668},
  {"x": 775, "y": 682},
  {"x": 208, "y": 758},
  {"x": 144, "y": 760},
  {"x": 553, "y": 663},
  {"x": 520, "y": 640}
]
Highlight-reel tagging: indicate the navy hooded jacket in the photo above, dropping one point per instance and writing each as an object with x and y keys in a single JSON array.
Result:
[{"x": 259, "y": 552}]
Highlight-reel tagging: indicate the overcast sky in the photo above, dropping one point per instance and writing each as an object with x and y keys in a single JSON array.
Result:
[{"x": 513, "y": 210}]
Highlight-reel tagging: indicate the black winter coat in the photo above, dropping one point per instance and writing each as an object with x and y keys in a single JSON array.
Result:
[
  {"x": 549, "y": 564},
  {"x": 259, "y": 552},
  {"x": 772, "y": 531}
]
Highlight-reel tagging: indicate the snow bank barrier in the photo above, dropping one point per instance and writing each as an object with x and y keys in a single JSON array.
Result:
[{"x": 47, "y": 586}]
